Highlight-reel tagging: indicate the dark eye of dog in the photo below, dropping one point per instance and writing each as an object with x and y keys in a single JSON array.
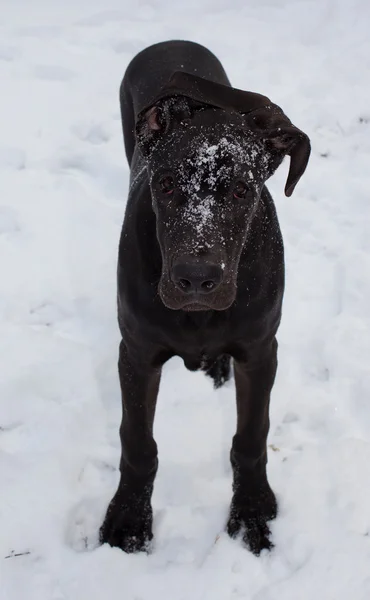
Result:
[
  {"x": 167, "y": 185},
  {"x": 240, "y": 190}
]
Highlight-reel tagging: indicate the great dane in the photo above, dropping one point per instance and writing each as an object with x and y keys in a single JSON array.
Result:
[{"x": 200, "y": 268}]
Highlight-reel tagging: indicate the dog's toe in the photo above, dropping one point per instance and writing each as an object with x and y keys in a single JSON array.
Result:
[
  {"x": 234, "y": 523},
  {"x": 126, "y": 528},
  {"x": 256, "y": 533},
  {"x": 129, "y": 539},
  {"x": 257, "y": 536},
  {"x": 251, "y": 518}
]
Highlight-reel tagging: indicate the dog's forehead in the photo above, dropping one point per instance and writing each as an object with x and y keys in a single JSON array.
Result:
[
  {"x": 207, "y": 161},
  {"x": 216, "y": 158}
]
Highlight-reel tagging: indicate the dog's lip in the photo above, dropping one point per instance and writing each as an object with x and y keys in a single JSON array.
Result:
[
  {"x": 193, "y": 306},
  {"x": 198, "y": 306}
]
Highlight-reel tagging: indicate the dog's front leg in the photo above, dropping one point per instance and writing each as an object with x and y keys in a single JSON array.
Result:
[
  {"x": 128, "y": 522},
  {"x": 253, "y": 503}
]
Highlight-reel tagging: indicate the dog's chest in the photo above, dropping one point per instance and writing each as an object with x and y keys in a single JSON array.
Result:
[{"x": 195, "y": 337}]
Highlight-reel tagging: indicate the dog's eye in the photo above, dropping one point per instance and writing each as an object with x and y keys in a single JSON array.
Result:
[
  {"x": 240, "y": 190},
  {"x": 167, "y": 185}
]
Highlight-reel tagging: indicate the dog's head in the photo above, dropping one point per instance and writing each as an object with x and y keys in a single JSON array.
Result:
[{"x": 209, "y": 151}]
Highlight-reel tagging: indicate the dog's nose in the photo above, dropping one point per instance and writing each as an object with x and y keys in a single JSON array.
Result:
[{"x": 196, "y": 278}]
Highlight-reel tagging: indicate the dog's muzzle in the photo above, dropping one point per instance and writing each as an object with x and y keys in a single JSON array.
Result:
[
  {"x": 196, "y": 278},
  {"x": 193, "y": 283}
]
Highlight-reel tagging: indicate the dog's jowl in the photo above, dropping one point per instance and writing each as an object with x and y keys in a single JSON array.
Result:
[{"x": 200, "y": 268}]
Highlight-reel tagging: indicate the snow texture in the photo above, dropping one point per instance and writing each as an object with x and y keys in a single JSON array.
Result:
[
  {"x": 212, "y": 167},
  {"x": 63, "y": 182}
]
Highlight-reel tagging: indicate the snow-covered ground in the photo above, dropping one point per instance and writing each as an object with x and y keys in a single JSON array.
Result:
[{"x": 63, "y": 182}]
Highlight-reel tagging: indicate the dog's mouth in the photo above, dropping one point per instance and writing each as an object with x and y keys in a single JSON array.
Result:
[{"x": 195, "y": 306}]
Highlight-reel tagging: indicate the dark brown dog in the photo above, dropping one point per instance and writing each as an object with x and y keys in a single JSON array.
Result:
[{"x": 201, "y": 268}]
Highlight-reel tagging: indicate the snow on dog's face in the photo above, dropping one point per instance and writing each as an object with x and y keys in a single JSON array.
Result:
[{"x": 206, "y": 175}]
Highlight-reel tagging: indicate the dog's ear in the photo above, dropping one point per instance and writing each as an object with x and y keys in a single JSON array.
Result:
[
  {"x": 263, "y": 117},
  {"x": 184, "y": 91},
  {"x": 282, "y": 138},
  {"x": 211, "y": 93},
  {"x": 156, "y": 121},
  {"x": 150, "y": 125},
  {"x": 182, "y": 94}
]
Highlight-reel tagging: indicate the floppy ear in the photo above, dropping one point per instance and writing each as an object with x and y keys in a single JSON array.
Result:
[
  {"x": 184, "y": 91},
  {"x": 263, "y": 117},
  {"x": 282, "y": 138}
]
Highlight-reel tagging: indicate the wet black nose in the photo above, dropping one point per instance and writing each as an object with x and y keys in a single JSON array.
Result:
[{"x": 196, "y": 278}]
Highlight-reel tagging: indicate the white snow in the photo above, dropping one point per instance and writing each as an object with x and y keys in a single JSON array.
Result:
[
  {"x": 199, "y": 212},
  {"x": 63, "y": 182},
  {"x": 212, "y": 164}
]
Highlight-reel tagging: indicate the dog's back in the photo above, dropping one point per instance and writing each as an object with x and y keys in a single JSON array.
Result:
[{"x": 151, "y": 69}]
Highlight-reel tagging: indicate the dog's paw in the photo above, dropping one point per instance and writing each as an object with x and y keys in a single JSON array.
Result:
[
  {"x": 127, "y": 526},
  {"x": 250, "y": 517}
]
